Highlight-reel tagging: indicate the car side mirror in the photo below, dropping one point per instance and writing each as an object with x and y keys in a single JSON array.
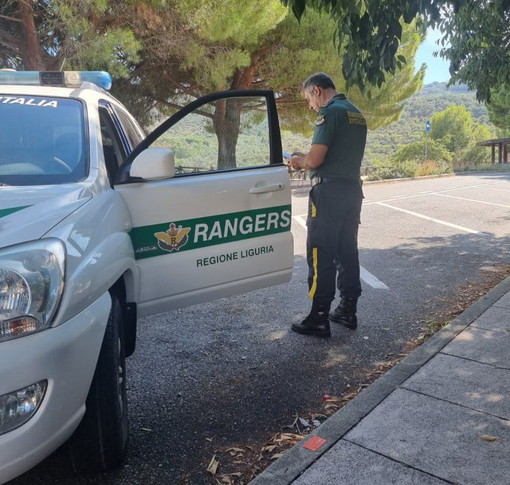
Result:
[{"x": 153, "y": 163}]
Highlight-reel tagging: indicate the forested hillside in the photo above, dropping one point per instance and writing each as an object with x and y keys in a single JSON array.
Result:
[{"x": 432, "y": 99}]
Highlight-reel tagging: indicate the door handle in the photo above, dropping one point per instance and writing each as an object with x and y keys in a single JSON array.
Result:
[{"x": 266, "y": 188}]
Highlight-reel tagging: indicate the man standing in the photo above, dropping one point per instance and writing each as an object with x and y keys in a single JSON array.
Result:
[{"x": 334, "y": 206}]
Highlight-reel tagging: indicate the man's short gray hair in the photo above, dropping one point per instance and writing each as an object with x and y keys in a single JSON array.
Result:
[{"x": 319, "y": 79}]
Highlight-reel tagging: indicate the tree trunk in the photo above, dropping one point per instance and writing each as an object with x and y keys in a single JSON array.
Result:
[
  {"x": 227, "y": 115},
  {"x": 32, "y": 53},
  {"x": 227, "y": 122}
]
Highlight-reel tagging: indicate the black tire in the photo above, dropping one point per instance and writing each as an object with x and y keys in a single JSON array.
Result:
[{"x": 100, "y": 442}]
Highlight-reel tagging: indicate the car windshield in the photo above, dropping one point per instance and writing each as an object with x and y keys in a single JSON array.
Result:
[{"x": 41, "y": 140}]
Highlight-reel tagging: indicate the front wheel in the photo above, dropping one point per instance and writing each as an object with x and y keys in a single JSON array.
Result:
[{"x": 100, "y": 442}]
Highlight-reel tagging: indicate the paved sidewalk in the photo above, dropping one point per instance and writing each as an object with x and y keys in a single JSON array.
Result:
[{"x": 442, "y": 415}]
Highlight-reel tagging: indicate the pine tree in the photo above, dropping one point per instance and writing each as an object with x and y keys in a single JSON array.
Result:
[{"x": 499, "y": 110}]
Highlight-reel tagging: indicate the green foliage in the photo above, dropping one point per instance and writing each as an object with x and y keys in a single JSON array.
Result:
[
  {"x": 241, "y": 23},
  {"x": 379, "y": 170},
  {"x": 383, "y": 107},
  {"x": 72, "y": 34},
  {"x": 105, "y": 53},
  {"x": 426, "y": 149},
  {"x": 170, "y": 50},
  {"x": 475, "y": 156},
  {"x": 451, "y": 144},
  {"x": 386, "y": 102},
  {"x": 478, "y": 44},
  {"x": 437, "y": 97},
  {"x": 219, "y": 40},
  {"x": 212, "y": 73},
  {"x": 499, "y": 110},
  {"x": 199, "y": 61},
  {"x": 456, "y": 130},
  {"x": 195, "y": 145},
  {"x": 407, "y": 169},
  {"x": 452, "y": 128},
  {"x": 370, "y": 33},
  {"x": 433, "y": 98},
  {"x": 477, "y": 33}
]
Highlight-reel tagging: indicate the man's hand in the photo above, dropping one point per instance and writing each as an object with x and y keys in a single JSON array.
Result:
[
  {"x": 313, "y": 159},
  {"x": 297, "y": 161}
]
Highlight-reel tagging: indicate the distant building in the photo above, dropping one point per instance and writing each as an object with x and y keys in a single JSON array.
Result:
[{"x": 502, "y": 144}]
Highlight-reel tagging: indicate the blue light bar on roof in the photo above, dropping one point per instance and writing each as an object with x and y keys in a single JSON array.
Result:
[{"x": 70, "y": 79}]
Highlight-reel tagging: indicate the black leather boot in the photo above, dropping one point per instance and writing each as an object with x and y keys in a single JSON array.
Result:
[
  {"x": 316, "y": 323},
  {"x": 345, "y": 313}
]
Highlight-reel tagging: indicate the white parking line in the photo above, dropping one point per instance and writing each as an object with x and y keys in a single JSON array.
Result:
[
  {"x": 301, "y": 220},
  {"x": 473, "y": 200},
  {"x": 437, "y": 192},
  {"x": 499, "y": 190},
  {"x": 438, "y": 221},
  {"x": 371, "y": 280},
  {"x": 365, "y": 275}
]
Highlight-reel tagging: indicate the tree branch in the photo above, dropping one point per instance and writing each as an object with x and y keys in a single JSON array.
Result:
[
  {"x": 12, "y": 19},
  {"x": 179, "y": 106},
  {"x": 10, "y": 41}
]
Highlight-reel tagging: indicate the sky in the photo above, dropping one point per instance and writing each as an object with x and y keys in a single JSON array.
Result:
[{"x": 437, "y": 68}]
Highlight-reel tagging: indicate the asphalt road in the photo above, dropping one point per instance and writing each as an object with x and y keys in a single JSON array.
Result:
[{"x": 231, "y": 373}]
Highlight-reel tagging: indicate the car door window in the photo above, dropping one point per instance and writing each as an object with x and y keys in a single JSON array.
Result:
[
  {"x": 133, "y": 132},
  {"x": 224, "y": 134},
  {"x": 113, "y": 150}
]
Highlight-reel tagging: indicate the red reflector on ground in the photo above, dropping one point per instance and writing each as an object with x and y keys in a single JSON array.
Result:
[{"x": 313, "y": 444}]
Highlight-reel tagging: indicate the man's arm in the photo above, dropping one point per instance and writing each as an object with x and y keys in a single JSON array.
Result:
[{"x": 313, "y": 159}]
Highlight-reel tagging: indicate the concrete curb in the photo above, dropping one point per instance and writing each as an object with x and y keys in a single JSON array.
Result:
[
  {"x": 305, "y": 186},
  {"x": 298, "y": 459}
]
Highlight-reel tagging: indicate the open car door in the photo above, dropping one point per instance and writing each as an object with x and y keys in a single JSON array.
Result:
[{"x": 210, "y": 202}]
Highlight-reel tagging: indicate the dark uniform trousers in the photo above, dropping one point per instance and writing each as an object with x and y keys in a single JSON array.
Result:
[{"x": 334, "y": 208}]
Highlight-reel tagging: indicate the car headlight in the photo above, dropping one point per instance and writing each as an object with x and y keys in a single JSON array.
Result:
[
  {"x": 17, "y": 407},
  {"x": 31, "y": 283}
]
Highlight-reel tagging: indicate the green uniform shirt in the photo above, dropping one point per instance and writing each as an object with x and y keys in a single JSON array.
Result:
[{"x": 343, "y": 129}]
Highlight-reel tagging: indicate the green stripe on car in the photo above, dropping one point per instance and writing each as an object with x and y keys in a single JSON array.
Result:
[
  {"x": 6, "y": 212},
  {"x": 177, "y": 236}
]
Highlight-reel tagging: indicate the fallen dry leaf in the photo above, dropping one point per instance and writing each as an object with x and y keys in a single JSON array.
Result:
[
  {"x": 269, "y": 448},
  {"x": 224, "y": 480},
  {"x": 489, "y": 438},
  {"x": 277, "y": 455},
  {"x": 213, "y": 465}
]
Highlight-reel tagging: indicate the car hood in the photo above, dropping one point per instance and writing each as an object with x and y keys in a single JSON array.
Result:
[{"x": 27, "y": 213}]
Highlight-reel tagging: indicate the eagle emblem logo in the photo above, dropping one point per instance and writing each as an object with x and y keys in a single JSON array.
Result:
[{"x": 174, "y": 238}]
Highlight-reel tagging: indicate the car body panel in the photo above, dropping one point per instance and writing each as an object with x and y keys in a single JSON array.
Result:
[
  {"x": 66, "y": 357},
  {"x": 233, "y": 235}
]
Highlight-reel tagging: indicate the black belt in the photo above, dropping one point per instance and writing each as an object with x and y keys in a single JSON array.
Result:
[{"x": 334, "y": 180}]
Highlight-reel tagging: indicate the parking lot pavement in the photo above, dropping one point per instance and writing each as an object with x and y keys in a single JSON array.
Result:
[{"x": 442, "y": 415}]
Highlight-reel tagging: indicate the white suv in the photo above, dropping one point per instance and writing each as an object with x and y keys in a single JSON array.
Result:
[{"x": 99, "y": 225}]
